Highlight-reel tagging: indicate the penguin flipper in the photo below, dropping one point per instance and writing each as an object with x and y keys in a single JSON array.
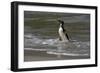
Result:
[{"x": 67, "y": 36}]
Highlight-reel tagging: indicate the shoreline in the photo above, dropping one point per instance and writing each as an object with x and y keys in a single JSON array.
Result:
[{"x": 33, "y": 55}]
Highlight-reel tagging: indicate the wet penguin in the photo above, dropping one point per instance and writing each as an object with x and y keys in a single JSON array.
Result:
[{"x": 63, "y": 36}]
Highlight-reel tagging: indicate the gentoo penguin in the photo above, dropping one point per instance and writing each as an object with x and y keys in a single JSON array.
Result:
[{"x": 63, "y": 36}]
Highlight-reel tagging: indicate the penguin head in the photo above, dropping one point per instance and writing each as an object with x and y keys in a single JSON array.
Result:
[{"x": 61, "y": 22}]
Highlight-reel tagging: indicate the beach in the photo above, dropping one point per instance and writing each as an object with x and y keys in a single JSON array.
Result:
[
  {"x": 41, "y": 37},
  {"x": 33, "y": 55}
]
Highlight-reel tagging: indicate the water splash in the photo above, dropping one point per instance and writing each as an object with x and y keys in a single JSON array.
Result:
[{"x": 54, "y": 46}]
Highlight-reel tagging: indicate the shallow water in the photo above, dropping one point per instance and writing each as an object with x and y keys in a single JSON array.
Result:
[
  {"x": 41, "y": 34},
  {"x": 54, "y": 46}
]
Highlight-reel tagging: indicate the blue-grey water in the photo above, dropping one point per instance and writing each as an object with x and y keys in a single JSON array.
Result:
[{"x": 41, "y": 33}]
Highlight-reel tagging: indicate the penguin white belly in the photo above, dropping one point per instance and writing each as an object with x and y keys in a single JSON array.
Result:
[{"x": 62, "y": 35}]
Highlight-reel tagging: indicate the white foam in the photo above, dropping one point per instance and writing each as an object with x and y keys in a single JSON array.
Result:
[
  {"x": 68, "y": 54},
  {"x": 54, "y": 46},
  {"x": 31, "y": 49}
]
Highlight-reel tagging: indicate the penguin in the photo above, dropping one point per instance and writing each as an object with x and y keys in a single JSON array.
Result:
[{"x": 63, "y": 36}]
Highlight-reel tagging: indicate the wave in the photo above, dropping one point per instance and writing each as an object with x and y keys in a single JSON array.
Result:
[
  {"x": 57, "y": 52},
  {"x": 68, "y": 54},
  {"x": 54, "y": 46}
]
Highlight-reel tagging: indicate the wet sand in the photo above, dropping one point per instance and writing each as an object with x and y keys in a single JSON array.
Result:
[{"x": 32, "y": 55}]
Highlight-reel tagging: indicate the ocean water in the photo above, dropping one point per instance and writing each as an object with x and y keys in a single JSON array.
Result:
[{"x": 41, "y": 33}]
